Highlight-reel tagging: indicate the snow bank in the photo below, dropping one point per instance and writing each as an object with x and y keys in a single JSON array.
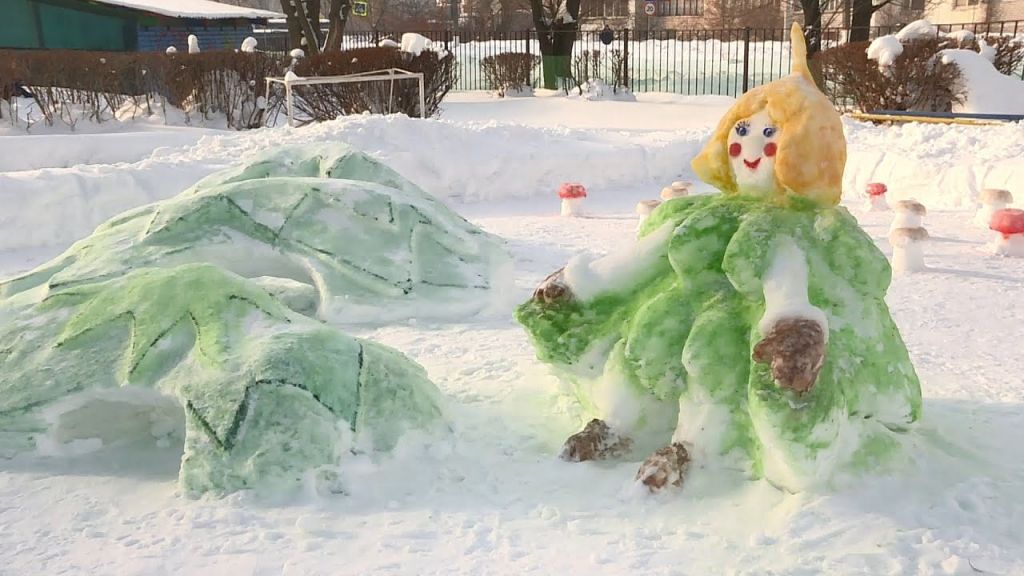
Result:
[
  {"x": 33, "y": 152},
  {"x": 941, "y": 166},
  {"x": 988, "y": 91},
  {"x": 459, "y": 162}
]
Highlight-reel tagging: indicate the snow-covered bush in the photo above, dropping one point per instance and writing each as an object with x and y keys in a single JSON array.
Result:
[
  {"x": 509, "y": 72},
  {"x": 911, "y": 79},
  {"x": 904, "y": 71},
  {"x": 328, "y": 101},
  {"x": 605, "y": 68}
]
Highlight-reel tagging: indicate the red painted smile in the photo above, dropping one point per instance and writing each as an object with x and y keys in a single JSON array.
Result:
[{"x": 752, "y": 165}]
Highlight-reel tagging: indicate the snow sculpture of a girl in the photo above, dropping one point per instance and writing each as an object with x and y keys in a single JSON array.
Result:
[{"x": 746, "y": 329}]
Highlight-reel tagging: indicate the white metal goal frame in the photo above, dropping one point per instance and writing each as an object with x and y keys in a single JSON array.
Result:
[{"x": 391, "y": 74}]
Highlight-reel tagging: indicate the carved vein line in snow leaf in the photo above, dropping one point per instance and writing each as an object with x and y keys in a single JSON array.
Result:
[
  {"x": 288, "y": 217},
  {"x": 406, "y": 289},
  {"x": 231, "y": 436},
  {"x": 359, "y": 387}
]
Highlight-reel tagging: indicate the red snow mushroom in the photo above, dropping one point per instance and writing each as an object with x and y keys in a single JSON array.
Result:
[
  {"x": 877, "y": 189},
  {"x": 1009, "y": 223},
  {"x": 876, "y": 197},
  {"x": 572, "y": 195}
]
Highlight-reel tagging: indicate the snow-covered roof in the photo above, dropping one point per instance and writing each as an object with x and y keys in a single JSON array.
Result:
[{"x": 205, "y": 9}]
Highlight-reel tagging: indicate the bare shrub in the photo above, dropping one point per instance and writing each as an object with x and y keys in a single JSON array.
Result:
[{"x": 510, "y": 71}]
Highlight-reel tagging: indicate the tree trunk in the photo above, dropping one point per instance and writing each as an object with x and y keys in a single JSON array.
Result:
[
  {"x": 312, "y": 45},
  {"x": 556, "y": 38},
  {"x": 812, "y": 26},
  {"x": 860, "y": 23},
  {"x": 294, "y": 27},
  {"x": 337, "y": 16}
]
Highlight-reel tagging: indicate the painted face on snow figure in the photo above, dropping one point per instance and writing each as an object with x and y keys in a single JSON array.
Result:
[{"x": 753, "y": 145}]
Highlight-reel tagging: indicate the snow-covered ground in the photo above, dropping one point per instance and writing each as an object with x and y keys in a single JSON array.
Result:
[{"x": 495, "y": 499}]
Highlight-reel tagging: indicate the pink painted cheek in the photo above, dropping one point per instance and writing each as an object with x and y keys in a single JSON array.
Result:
[
  {"x": 735, "y": 149},
  {"x": 770, "y": 149}
]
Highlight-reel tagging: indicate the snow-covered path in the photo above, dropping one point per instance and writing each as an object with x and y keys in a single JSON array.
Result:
[{"x": 496, "y": 500}]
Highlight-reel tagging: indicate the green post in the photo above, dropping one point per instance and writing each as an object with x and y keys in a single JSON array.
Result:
[{"x": 555, "y": 67}]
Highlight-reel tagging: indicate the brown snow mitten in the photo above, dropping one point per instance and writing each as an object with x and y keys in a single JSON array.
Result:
[{"x": 795, "y": 348}]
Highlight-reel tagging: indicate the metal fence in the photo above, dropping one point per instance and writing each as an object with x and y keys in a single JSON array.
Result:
[{"x": 692, "y": 62}]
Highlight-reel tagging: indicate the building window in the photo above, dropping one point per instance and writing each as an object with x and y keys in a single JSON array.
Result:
[
  {"x": 962, "y": 3},
  {"x": 680, "y": 7},
  {"x": 604, "y": 8}
]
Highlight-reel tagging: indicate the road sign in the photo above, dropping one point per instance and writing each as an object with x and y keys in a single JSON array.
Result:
[
  {"x": 649, "y": 8},
  {"x": 360, "y": 8}
]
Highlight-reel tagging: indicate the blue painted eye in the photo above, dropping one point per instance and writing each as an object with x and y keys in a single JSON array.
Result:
[
  {"x": 741, "y": 129},
  {"x": 769, "y": 131}
]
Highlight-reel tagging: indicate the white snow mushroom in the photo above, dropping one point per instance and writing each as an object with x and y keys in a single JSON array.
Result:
[
  {"x": 876, "y": 197},
  {"x": 992, "y": 200},
  {"x": 193, "y": 44},
  {"x": 171, "y": 50},
  {"x": 645, "y": 207},
  {"x": 908, "y": 249},
  {"x": 678, "y": 189},
  {"x": 909, "y": 214},
  {"x": 249, "y": 44}
]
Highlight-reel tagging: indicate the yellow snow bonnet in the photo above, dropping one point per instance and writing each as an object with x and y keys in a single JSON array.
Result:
[{"x": 811, "y": 147}]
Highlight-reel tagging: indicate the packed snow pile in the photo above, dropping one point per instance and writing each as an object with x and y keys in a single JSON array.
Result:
[
  {"x": 597, "y": 89},
  {"x": 885, "y": 49},
  {"x": 414, "y": 43},
  {"x": 987, "y": 91},
  {"x": 306, "y": 214}
]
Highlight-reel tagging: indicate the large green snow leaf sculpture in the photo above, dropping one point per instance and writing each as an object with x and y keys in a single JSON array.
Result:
[
  {"x": 216, "y": 308},
  {"x": 373, "y": 245},
  {"x": 748, "y": 329}
]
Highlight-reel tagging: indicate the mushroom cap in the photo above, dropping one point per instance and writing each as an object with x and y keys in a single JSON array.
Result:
[
  {"x": 682, "y": 185},
  {"x": 1007, "y": 221},
  {"x": 901, "y": 237},
  {"x": 647, "y": 206},
  {"x": 876, "y": 189},
  {"x": 991, "y": 195},
  {"x": 670, "y": 192},
  {"x": 571, "y": 190},
  {"x": 912, "y": 207}
]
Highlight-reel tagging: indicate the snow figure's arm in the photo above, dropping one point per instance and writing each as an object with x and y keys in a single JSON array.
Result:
[
  {"x": 590, "y": 300},
  {"x": 765, "y": 262},
  {"x": 794, "y": 331}
]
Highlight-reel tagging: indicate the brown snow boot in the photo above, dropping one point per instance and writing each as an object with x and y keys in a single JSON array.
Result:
[
  {"x": 666, "y": 466},
  {"x": 595, "y": 442}
]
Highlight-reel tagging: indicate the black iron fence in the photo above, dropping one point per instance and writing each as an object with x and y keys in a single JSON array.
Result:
[{"x": 692, "y": 62}]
